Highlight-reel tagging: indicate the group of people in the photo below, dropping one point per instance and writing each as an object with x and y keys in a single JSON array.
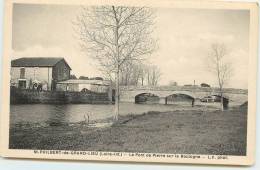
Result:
[{"x": 35, "y": 85}]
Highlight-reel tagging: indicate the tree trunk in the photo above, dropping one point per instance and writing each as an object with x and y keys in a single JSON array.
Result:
[
  {"x": 117, "y": 69},
  {"x": 117, "y": 98}
]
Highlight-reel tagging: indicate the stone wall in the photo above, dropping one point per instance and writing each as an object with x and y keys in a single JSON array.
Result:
[
  {"x": 236, "y": 96},
  {"x": 25, "y": 96},
  {"x": 182, "y": 88}
]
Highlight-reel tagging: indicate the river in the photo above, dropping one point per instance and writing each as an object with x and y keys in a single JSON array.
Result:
[{"x": 71, "y": 113}]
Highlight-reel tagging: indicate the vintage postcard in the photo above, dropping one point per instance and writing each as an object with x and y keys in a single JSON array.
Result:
[{"x": 151, "y": 81}]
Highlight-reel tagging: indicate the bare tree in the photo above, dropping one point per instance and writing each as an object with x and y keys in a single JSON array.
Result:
[
  {"x": 126, "y": 73},
  {"x": 142, "y": 76},
  {"x": 154, "y": 75},
  {"x": 219, "y": 66},
  {"x": 132, "y": 73},
  {"x": 137, "y": 71},
  {"x": 116, "y": 34},
  {"x": 143, "y": 70}
]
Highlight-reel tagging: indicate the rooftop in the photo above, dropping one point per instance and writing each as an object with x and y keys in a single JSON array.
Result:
[{"x": 37, "y": 62}]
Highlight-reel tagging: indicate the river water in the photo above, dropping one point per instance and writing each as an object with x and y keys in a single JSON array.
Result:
[{"x": 71, "y": 113}]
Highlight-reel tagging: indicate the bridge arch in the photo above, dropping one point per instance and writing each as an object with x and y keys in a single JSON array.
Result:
[
  {"x": 146, "y": 97},
  {"x": 180, "y": 96},
  {"x": 181, "y": 93},
  {"x": 236, "y": 97}
]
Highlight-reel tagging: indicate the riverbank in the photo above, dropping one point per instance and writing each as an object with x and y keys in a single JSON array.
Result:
[
  {"x": 29, "y": 96},
  {"x": 181, "y": 131}
]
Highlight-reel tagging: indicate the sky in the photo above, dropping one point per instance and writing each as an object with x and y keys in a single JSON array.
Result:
[{"x": 184, "y": 40}]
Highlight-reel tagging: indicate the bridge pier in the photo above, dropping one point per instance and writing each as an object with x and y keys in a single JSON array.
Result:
[
  {"x": 192, "y": 102},
  {"x": 162, "y": 100}
]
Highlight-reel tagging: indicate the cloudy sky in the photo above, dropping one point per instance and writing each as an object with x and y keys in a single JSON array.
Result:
[{"x": 184, "y": 39}]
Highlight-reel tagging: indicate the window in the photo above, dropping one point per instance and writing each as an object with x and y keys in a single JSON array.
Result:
[
  {"x": 22, "y": 73},
  {"x": 22, "y": 84}
]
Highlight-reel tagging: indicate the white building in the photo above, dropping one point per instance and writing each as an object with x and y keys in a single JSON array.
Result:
[
  {"x": 47, "y": 71},
  {"x": 99, "y": 86}
]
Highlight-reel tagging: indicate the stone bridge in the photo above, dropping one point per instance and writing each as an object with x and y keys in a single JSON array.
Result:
[{"x": 128, "y": 94}]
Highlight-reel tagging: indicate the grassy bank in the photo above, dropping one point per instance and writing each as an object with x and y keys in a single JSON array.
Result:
[{"x": 194, "y": 132}]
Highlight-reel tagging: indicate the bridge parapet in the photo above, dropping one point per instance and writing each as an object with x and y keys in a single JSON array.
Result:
[
  {"x": 127, "y": 94},
  {"x": 184, "y": 88}
]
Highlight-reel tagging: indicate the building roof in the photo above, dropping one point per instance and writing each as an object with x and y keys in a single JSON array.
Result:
[
  {"x": 37, "y": 62},
  {"x": 79, "y": 81}
]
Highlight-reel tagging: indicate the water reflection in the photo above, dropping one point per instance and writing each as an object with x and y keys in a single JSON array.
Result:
[
  {"x": 70, "y": 113},
  {"x": 57, "y": 116}
]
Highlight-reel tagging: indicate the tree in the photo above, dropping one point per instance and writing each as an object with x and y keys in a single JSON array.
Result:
[
  {"x": 136, "y": 74},
  {"x": 143, "y": 72},
  {"x": 130, "y": 73},
  {"x": 126, "y": 73},
  {"x": 153, "y": 75},
  {"x": 115, "y": 34},
  {"x": 219, "y": 66}
]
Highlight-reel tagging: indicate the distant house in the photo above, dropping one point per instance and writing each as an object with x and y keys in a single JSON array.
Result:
[
  {"x": 26, "y": 72},
  {"x": 99, "y": 86}
]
